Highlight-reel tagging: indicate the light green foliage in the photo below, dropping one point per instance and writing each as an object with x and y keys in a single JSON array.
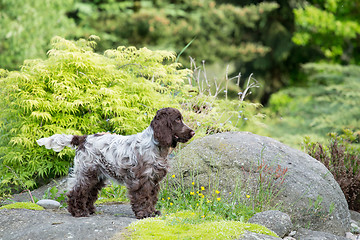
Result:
[
  {"x": 76, "y": 91},
  {"x": 187, "y": 224},
  {"x": 331, "y": 26},
  {"x": 27, "y": 27},
  {"x": 328, "y": 104},
  {"x": 23, "y": 205}
]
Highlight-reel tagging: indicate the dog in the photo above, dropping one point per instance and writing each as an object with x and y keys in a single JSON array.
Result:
[{"x": 138, "y": 161}]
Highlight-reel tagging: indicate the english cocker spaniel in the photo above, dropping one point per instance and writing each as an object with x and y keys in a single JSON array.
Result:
[{"x": 138, "y": 161}]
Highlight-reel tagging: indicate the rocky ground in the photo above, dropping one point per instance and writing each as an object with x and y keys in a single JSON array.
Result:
[
  {"x": 23, "y": 224},
  {"x": 109, "y": 221}
]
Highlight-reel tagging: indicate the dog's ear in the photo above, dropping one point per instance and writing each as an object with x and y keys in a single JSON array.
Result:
[{"x": 162, "y": 126}]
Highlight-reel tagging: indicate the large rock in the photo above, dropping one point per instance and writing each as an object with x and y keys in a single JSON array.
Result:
[
  {"x": 238, "y": 160},
  {"x": 306, "y": 234},
  {"x": 257, "y": 236},
  {"x": 276, "y": 221}
]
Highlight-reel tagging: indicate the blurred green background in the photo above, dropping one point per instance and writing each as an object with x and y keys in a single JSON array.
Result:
[
  {"x": 304, "y": 54},
  {"x": 271, "y": 39}
]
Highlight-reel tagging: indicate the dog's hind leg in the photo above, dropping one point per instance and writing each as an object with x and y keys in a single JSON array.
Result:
[
  {"x": 93, "y": 195},
  {"x": 81, "y": 192}
]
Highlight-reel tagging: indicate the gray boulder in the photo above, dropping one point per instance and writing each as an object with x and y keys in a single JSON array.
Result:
[
  {"x": 276, "y": 221},
  {"x": 256, "y": 236},
  {"x": 245, "y": 161},
  {"x": 305, "y": 234}
]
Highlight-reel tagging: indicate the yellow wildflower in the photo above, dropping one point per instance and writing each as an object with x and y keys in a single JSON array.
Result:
[
  {"x": 218, "y": 199},
  {"x": 173, "y": 176},
  {"x": 248, "y": 196},
  {"x": 202, "y": 188},
  {"x": 217, "y": 192},
  {"x": 193, "y": 183},
  {"x": 192, "y": 193}
]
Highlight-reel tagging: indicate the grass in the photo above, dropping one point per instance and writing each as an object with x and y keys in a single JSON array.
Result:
[{"x": 190, "y": 225}]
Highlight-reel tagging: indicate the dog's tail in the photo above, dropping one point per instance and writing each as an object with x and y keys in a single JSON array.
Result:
[{"x": 57, "y": 142}]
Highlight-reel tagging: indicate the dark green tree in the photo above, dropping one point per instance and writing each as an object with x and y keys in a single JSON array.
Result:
[
  {"x": 330, "y": 27},
  {"x": 248, "y": 34}
]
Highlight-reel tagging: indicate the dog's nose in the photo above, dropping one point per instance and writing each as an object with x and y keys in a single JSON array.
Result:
[{"x": 192, "y": 133}]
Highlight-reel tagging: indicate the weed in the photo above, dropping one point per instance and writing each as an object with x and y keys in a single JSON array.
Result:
[
  {"x": 52, "y": 193},
  {"x": 343, "y": 162},
  {"x": 254, "y": 194}
]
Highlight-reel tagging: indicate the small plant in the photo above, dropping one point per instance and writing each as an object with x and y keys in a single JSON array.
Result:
[
  {"x": 254, "y": 194},
  {"x": 113, "y": 193},
  {"x": 52, "y": 193},
  {"x": 209, "y": 108},
  {"x": 343, "y": 161}
]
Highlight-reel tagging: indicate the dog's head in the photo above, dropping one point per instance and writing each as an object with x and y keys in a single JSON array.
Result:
[{"x": 169, "y": 128}]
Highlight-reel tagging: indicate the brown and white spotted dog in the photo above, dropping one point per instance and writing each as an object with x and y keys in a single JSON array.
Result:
[{"x": 138, "y": 161}]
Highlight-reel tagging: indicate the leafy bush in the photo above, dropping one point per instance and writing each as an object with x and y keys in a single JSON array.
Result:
[
  {"x": 343, "y": 161},
  {"x": 331, "y": 27}
]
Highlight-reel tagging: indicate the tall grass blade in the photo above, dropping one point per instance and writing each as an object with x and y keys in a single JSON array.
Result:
[{"x": 183, "y": 50}]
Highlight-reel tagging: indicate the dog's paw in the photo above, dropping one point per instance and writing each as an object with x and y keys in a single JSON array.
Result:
[{"x": 157, "y": 213}]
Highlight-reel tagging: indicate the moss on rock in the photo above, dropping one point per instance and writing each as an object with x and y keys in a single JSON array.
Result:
[
  {"x": 23, "y": 205},
  {"x": 186, "y": 225}
]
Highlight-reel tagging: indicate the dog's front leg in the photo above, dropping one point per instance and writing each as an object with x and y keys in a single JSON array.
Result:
[{"x": 143, "y": 197}]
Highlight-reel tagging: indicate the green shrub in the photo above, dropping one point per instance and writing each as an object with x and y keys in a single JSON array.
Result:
[{"x": 343, "y": 161}]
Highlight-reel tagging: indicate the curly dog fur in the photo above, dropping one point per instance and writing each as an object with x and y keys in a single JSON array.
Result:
[{"x": 138, "y": 161}]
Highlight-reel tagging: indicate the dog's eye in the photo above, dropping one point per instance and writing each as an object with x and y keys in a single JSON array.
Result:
[{"x": 178, "y": 119}]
